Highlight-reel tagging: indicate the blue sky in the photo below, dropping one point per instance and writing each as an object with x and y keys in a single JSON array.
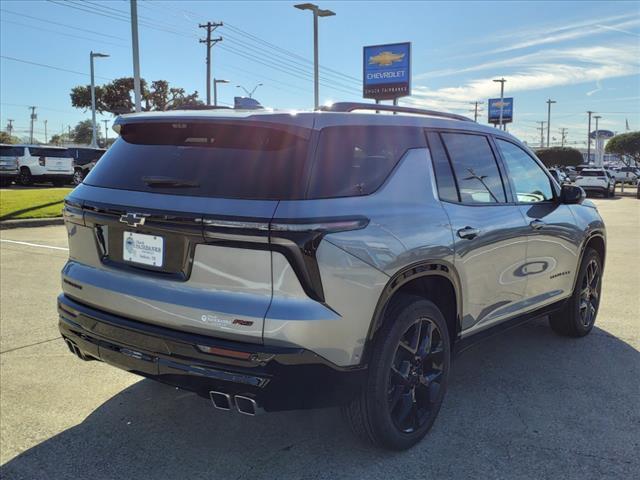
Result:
[{"x": 584, "y": 55}]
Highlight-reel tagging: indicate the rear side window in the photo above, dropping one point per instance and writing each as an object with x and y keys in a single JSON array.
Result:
[
  {"x": 244, "y": 160},
  {"x": 49, "y": 152},
  {"x": 475, "y": 168},
  {"x": 6, "y": 151},
  {"x": 356, "y": 160}
]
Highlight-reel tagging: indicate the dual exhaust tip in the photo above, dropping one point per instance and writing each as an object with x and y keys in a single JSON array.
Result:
[{"x": 244, "y": 405}]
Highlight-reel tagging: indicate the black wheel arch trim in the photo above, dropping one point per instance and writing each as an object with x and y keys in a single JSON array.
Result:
[
  {"x": 405, "y": 275},
  {"x": 583, "y": 248}
]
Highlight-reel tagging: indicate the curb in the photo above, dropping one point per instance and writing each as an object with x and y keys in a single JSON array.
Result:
[{"x": 30, "y": 222}]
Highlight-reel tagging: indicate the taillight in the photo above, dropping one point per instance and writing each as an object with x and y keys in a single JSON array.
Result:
[{"x": 41, "y": 161}]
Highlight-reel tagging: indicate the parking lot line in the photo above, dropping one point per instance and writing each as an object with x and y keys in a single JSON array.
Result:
[{"x": 34, "y": 245}]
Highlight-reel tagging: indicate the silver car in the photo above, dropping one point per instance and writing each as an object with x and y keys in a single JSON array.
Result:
[{"x": 272, "y": 261}]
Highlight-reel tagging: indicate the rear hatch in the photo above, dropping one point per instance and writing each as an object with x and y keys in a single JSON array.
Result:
[
  {"x": 172, "y": 225},
  {"x": 592, "y": 178},
  {"x": 56, "y": 161}
]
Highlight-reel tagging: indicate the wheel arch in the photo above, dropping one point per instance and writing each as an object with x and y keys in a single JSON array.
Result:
[
  {"x": 437, "y": 281},
  {"x": 597, "y": 241}
]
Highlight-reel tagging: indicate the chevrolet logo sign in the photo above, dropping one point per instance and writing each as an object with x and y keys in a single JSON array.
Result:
[
  {"x": 385, "y": 59},
  {"x": 133, "y": 219}
]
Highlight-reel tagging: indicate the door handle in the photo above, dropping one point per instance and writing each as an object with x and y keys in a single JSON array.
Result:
[
  {"x": 536, "y": 224},
  {"x": 468, "y": 233}
]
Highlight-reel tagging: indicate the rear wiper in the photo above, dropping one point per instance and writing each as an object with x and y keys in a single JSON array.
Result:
[{"x": 169, "y": 182}]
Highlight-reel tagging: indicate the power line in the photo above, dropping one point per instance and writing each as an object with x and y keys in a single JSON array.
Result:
[{"x": 49, "y": 66}]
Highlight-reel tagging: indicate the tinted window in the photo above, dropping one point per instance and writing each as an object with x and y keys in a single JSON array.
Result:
[
  {"x": 7, "y": 151},
  {"x": 248, "y": 160},
  {"x": 444, "y": 176},
  {"x": 593, "y": 173},
  {"x": 83, "y": 156},
  {"x": 49, "y": 152},
  {"x": 529, "y": 180},
  {"x": 355, "y": 160},
  {"x": 475, "y": 168}
]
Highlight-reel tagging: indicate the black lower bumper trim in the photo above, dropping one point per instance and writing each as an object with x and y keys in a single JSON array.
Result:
[{"x": 278, "y": 378}]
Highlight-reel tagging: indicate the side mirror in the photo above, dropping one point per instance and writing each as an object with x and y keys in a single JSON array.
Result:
[{"x": 572, "y": 194}]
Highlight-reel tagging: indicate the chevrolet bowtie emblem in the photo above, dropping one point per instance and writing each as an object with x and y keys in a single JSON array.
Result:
[{"x": 133, "y": 219}]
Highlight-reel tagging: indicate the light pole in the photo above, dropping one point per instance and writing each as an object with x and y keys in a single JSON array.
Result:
[
  {"x": 93, "y": 55},
  {"x": 589, "y": 137},
  {"x": 250, "y": 93},
  {"x": 501, "y": 81},
  {"x": 215, "y": 90},
  {"x": 106, "y": 133},
  {"x": 549, "y": 102},
  {"x": 317, "y": 12},
  {"x": 597, "y": 159}
]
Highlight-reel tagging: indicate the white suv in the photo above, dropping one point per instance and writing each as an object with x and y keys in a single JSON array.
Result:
[
  {"x": 596, "y": 180},
  {"x": 44, "y": 164}
]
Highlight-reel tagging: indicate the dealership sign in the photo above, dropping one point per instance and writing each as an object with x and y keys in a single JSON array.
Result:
[
  {"x": 507, "y": 110},
  {"x": 387, "y": 71}
]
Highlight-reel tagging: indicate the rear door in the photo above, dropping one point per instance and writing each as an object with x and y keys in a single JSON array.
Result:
[
  {"x": 56, "y": 161},
  {"x": 553, "y": 237},
  {"x": 489, "y": 232},
  {"x": 176, "y": 220}
]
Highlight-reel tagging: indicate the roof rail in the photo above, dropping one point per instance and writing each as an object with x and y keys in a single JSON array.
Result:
[{"x": 351, "y": 106}]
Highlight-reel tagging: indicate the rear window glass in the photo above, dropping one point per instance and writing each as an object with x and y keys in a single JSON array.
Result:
[
  {"x": 85, "y": 154},
  {"x": 593, "y": 173},
  {"x": 11, "y": 151},
  {"x": 49, "y": 152},
  {"x": 355, "y": 160},
  {"x": 247, "y": 160}
]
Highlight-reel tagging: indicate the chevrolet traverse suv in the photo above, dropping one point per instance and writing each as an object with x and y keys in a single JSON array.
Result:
[{"x": 272, "y": 261}]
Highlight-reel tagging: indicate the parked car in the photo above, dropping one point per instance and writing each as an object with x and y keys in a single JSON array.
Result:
[
  {"x": 596, "y": 180},
  {"x": 270, "y": 261},
  {"x": 44, "y": 164},
  {"x": 627, "y": 175},
  {"x": 84, "y": 159},
  {"x": 9, "y": 155}
]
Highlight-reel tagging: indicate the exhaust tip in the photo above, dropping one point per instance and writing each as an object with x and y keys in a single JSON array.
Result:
[
  {"x": 220, "y": 400},
  {"x": 246, "y": 405}
]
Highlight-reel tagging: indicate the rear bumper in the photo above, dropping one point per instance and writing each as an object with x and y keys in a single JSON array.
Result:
[
  {"x": 277, "y": 378},
  {"x": 9, "y": 173}
]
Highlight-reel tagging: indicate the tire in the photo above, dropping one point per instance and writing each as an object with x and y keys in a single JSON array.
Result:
[
  {"x": 396, "y": 408},
  {"x": 24, "y": 177},
  {"x": 78, "y": 176},
  {"x": 578, "y": 316}
]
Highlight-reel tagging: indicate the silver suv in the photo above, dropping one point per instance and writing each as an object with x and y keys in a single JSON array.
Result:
[{"x": 273, "y": 261}]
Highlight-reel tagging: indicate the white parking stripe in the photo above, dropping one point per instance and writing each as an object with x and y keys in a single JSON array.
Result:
[{"x": 34, "y": 245}]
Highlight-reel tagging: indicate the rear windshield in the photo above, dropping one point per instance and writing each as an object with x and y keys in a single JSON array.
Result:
[
  {"x": 85, "y": 154},
  {"x": 6, "y": 151},
  {"x": 252, "y": 160},
  {"x": 49, "y": 152},
  {"x": 593, "y": 173},
  {"x": 247, "y": 160}
]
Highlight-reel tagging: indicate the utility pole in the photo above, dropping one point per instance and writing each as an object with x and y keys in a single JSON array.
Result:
[
  {"x": 106, "y": 132},
  {"x": 69, "y": 133},
  {"x": 501, "y": 81},
  {"x": 94, "y": 134},
  {"x": 541, "y": 128},
  {"x": 46, "y": 138},
  {"x": 9, "y": 126},
  {"x": 475, "y": 110},
  {"x": 549, "y": 102},
  {"x": 563, "y": 132},
  {"x": 589, "y": 138},
  {"x": 210, "y": 26},
  {"x": 34, "y": 117},
  {"x": 136, "y": 55},
  {"x": 597, "y": 162}
]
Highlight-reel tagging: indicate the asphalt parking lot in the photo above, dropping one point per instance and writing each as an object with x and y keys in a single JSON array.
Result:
[{"x": 527, "y": 404}]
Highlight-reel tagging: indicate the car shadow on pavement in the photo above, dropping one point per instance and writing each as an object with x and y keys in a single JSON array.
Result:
[{"x": 525, "y": 404}]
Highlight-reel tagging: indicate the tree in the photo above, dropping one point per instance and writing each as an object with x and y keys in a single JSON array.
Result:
[
  {"x": 559, "y": 156},
  {"x": 6, "y": 138},
  {"x": 117, "y": 96},
  {"x": 81, "y": 133},
  {"x": 625, "y": 145}
]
